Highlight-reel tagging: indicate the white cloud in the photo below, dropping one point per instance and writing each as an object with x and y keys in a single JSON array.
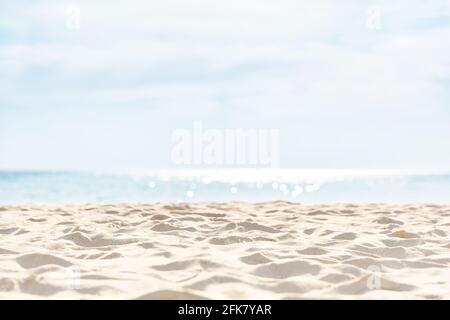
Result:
[{"x": 247, "y": 62}]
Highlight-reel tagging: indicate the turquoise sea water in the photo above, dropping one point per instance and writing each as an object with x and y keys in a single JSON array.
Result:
[{"x": 224, "y": 185}]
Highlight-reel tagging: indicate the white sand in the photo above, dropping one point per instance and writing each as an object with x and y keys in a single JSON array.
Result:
[{"x": 225, "y": 250}]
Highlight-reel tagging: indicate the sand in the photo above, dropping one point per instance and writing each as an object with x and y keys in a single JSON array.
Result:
[{"x": 275, "y": 250}]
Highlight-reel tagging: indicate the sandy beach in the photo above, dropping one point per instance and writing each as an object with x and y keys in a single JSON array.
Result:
[{"x": 273, "y": 250}]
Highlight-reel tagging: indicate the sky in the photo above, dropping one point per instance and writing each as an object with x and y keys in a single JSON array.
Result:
[{"x": 348, "y": 84}]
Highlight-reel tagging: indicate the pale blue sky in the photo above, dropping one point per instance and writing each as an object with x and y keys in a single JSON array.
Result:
[{"x": 341, "y": 93}]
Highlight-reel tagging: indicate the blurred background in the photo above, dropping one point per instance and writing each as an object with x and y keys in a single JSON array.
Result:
[{"x": 101, "y": 85}]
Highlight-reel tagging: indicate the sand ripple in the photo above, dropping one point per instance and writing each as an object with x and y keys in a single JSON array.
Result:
[{"x": 274, "y": 250}]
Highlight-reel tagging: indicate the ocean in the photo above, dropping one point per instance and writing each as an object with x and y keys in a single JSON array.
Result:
[{"x": 309, "y": 186}]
